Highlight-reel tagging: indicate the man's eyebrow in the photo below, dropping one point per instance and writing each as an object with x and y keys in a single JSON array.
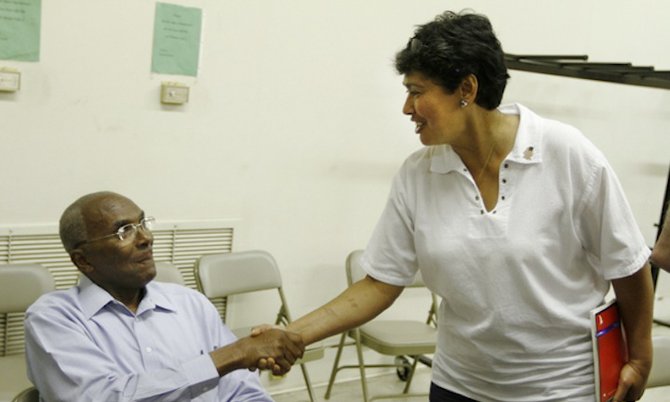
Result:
[{"x": 124, "y": 222}]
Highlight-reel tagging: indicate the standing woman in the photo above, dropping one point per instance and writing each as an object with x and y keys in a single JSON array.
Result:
[{"x": 516, "y": 221}]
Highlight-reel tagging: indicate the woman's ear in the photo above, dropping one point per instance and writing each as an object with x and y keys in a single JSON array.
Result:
[{"x": 468, "y": 88}]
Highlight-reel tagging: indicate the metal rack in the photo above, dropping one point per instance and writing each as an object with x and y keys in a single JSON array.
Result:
[{"x": 578, "y": 66}]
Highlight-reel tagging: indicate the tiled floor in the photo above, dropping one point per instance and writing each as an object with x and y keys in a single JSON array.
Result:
[{"x": 351, "y": 391}]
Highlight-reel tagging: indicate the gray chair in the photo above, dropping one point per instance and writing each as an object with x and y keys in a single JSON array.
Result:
[
  {"x": 660, "y": 369},
  {"x": 167, "y": 272},
  {"x": 411, "y": 338},
  {"x": 228, "y": 274},
  {"x": 20, "y": 286},
  {"x": 27, "y": 395}
]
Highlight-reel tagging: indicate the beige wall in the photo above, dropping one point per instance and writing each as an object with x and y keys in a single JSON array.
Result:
[{"x": 294, "y": 125}]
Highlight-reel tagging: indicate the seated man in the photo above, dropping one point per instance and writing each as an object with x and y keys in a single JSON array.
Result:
[
  {"x": 119, "y": 336},
  {"x": 660, "y": 255}
]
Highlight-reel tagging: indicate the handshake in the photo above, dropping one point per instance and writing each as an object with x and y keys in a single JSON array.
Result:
[{"x": 266, "y": 348}]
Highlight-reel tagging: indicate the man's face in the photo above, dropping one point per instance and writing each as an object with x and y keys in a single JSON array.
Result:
[{"x": 117, "y": 265}]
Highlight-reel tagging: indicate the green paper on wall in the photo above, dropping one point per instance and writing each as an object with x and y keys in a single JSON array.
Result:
[
  {"x": 176, "y": 45},
  {"x": 20, "y": 30}
]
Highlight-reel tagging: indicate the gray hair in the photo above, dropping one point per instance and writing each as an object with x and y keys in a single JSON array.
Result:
[{"x": 72, "y": 226}]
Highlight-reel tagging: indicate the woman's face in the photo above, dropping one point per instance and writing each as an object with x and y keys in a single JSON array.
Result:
[{"x": 436, "y": 113}]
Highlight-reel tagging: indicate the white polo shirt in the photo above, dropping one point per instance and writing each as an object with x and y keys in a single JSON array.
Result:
[{"x": 517, "y": 282}]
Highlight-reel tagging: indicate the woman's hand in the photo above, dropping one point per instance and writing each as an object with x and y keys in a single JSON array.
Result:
[
  {"x": 267, "y": 363},
  {"x": 632, "y": 381}
]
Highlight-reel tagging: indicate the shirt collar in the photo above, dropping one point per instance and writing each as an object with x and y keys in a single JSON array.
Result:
[
  {"x": 93, "y": 298},
  {"x": 527, "y": 147}
]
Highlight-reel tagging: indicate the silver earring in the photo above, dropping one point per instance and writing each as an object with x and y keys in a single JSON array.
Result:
[{"x": 463, "y": 103}]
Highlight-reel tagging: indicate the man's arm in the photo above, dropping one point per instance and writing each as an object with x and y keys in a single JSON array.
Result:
[
  {"x": 358, "y": 304},
  {"x": 66, "y": 362},
  {"x": 635, "y": 297}
]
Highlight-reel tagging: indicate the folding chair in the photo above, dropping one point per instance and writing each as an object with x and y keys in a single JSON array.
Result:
[
  {"x": 411, "y": 338},
  {"x": 660, "y": 370},
  {"x": 27, "y": 395},
  {"x": 20, "y": 286},
  {"x": 227, "y": 274}
]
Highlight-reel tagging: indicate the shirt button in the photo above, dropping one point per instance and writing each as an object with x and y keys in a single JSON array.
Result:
[
  {"x": 504, "y": 180},
  {"x": 481, "y": 212},
  {"x": 503, "y": 197},
  {"x": 477, "y": 197},
  {"x": 148, "y": 349},
  {"x": 506, "y": 165}
]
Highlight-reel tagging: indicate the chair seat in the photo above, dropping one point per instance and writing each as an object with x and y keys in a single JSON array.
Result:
[
  {"x": 399, "y": 337},
  {"x": 13, "y": 377}
]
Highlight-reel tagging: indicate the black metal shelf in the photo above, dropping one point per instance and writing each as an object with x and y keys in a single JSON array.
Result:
[{"x": 578, "y": 66}]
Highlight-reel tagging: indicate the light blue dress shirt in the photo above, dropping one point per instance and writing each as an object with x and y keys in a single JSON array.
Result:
[{"x": 83, "y": 345}]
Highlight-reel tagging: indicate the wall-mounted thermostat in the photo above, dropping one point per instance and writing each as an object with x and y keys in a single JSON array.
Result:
[
  {"x": 174, "y": 93},
  {"x": 10, "y": 80}
]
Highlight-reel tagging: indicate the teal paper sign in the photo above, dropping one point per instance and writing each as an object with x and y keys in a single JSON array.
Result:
[
  {"x": 20, "y": 30},
  {"x": 176, "y": 40}
]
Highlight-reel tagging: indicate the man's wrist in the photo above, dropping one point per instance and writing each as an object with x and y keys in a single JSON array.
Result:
[{"x": 228, "y": 358}]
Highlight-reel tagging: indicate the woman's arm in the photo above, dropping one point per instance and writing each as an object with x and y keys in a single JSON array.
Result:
[
  {"x": 635, "y": 297},
  {"x": 358, "y": 304}
]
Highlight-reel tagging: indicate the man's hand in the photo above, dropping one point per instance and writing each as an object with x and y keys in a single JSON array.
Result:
[
  {"x": 272, "y": 348},
  {"x": 266, "y": 363},
  {"x": 281, "y": 348}
]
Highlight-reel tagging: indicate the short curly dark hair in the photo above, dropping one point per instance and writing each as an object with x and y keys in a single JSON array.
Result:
[{"x": 452, "y": 46}]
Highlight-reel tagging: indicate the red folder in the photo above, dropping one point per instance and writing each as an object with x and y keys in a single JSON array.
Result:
[{"x": 609, "y": 349}]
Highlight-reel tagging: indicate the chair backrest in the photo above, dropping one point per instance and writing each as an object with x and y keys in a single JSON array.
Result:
[
  {"x": 21, "y": 285},
  {"x": 355, "y": 271},
  {"x": 166, "y": 272},
  {"x": 225, "y": 274}
]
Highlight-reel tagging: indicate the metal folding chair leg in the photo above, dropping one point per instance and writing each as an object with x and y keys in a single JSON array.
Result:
[
  {"x": 361, "y": 364},
  {"x": 308, "y": 383},
  {"x": 334, "y": 371}
]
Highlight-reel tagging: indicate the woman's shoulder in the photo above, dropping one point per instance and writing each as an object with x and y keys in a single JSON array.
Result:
[
  {"x": 560, "y": 136},
  {"x": 540, "y": 122},
  {"x": 565, "y": 145}
]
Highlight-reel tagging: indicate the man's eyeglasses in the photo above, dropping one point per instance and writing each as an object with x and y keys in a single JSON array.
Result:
[{"x": 126, "y": 231}]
